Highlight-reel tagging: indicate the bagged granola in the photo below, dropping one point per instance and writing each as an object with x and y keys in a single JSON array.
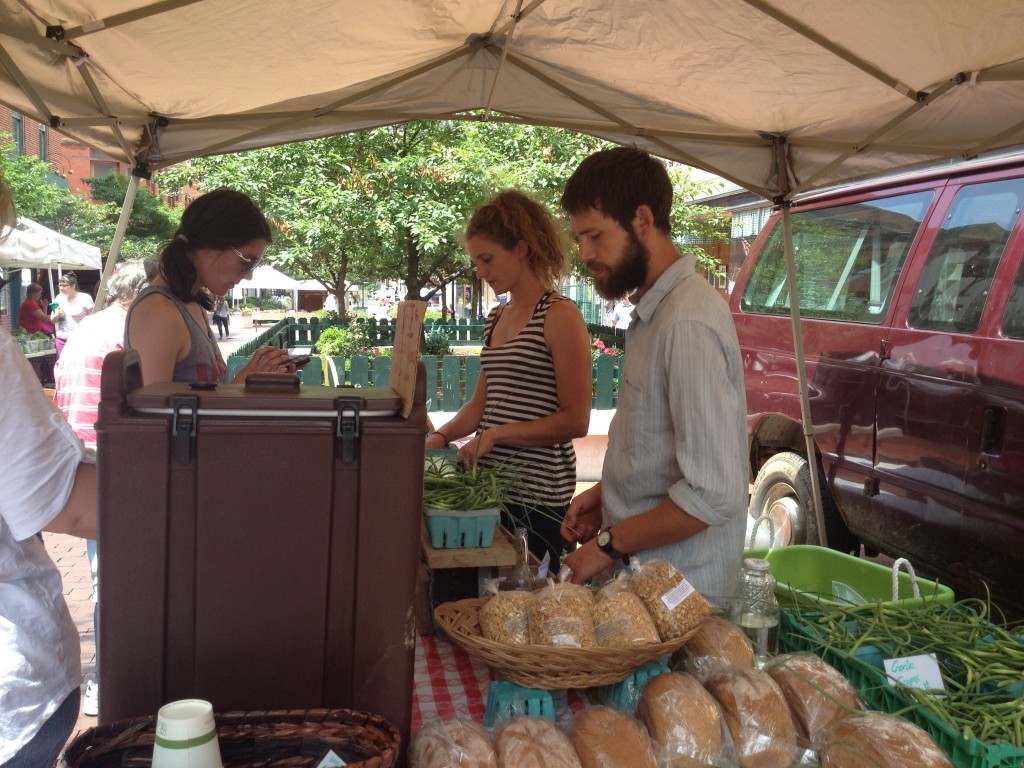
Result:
[{"x": 672, "y": 601}]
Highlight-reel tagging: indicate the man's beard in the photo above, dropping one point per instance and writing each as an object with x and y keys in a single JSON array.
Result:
[{"x": 629, "y": 274}]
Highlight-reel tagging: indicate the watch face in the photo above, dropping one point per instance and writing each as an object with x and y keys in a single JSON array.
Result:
[{"x": 604, "y": 538}]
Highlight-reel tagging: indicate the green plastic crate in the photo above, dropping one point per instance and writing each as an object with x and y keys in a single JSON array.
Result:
[
  {"x": 806, "y": 571},
  {"x": 863, "y": 670}
]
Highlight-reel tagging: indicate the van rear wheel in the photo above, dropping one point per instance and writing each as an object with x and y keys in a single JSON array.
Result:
[{"x": 782, "y": 492}]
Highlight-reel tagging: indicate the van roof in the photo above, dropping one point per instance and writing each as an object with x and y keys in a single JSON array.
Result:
[{"x": 948, "y": 168}]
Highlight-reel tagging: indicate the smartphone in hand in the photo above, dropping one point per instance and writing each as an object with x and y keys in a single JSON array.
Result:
[{"x": 298, "y": 361}]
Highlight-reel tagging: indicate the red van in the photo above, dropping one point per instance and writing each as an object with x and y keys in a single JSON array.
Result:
[{"x": 912, "y": 303}]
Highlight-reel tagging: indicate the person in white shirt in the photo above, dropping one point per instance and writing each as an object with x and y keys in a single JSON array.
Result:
[
  {"x": 622, "y": 314},
  {"x": 72, "y": 306},
  {"x": 51, "y": 486}
]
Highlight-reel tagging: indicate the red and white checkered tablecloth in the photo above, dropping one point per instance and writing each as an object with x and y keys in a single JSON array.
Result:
[{"x": 448, "y": 683}]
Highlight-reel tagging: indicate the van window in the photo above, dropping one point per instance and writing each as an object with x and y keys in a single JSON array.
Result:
[
  {"x": 1013, "y": 318},
  {"x": 958, "y": 273},
  {"x": 848, "y": 259}
]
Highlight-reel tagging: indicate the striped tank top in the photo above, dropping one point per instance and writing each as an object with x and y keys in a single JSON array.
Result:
[{"x": 521, "y": 387}]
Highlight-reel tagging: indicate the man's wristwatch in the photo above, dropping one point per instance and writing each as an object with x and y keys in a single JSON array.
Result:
[{"x": 604, "y": 543}]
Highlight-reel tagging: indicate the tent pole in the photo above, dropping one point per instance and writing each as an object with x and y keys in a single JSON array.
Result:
[
  {"x": 115, "y": 243},
  {"x": 801, "y": 370}
]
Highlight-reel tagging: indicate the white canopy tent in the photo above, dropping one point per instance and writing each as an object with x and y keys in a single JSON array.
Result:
[
  {"x": 778, "y": 96},
  {"x": 33, "y": 246},
  {"x": 265, "y": 277}
]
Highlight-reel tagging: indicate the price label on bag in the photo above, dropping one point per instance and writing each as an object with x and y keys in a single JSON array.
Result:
[{"x": 916, "y": 672}]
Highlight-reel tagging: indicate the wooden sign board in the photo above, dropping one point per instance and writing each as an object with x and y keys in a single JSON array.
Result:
[{"x": 406, "y": 356}]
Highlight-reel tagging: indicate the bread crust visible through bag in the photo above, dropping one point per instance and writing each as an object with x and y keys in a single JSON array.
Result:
[
  {"x": 683, "y": 720},
  {"x": 534, "y": 742}
]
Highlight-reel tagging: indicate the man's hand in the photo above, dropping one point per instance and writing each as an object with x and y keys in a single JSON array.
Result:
[
  {"x": 583, "y": 519},
  {"x": 585, "y": 562}
]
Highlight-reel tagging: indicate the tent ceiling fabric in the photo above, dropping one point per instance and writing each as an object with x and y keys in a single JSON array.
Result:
[{"x": 853, "y": 87}]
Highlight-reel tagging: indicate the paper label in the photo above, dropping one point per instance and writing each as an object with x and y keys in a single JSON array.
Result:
[
  {"x": 677, "y": 594},
  {"x": 613, "y": 627},
  {"x": 920, "y": 672},
  {"x": 331, "y": 760}
]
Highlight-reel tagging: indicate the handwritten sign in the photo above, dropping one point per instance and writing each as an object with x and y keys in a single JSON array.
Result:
[{"x": 916, "y": 672}]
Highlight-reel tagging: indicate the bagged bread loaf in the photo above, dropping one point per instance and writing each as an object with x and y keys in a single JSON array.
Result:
[
  {"x": 818, "y": 694},
  {"x": 621, "y": 619},
  {"x": 534, "y": 742},
  {"x": 718, "y": 643},
  {"x": 561, "y": 615},
  {"x": 673, "y": 603},
  {"x": 683, "y": 720},
  {"x": 504, "y": 618},
  {"x": 874, "y": 740},
  {"x": 605, "y": 738},
  {"x": 757, "y": 716},
  {"x": 452, "y": 744}
]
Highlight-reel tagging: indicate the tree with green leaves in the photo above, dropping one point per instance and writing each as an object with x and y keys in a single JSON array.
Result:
[
  {"x": 390, "y": 203},
  {"x": 150, "y": 224},
  {"x": 39, "y": 198}
]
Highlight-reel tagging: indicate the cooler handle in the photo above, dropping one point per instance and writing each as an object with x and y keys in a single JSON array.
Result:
[{"x": 272, "y": 382}]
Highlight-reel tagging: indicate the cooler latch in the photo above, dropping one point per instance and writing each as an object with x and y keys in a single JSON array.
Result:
[
  {"x": 184, "y": 421},
  {"x": 348, "y": 428}
]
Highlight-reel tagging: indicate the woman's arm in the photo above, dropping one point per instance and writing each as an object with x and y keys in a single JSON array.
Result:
[{"x": 465, "y": 421}]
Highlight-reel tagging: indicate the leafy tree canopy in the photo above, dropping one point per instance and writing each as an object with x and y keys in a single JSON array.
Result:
[
  {"x": 37, "y": 197},
  {"x": 389, "y": 203}
]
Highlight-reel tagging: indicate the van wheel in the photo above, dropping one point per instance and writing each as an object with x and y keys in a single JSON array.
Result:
[{"x": 782, "y": 492}]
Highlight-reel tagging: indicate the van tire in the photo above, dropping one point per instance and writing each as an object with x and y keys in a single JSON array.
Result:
[{"x": 783, "y": 487}]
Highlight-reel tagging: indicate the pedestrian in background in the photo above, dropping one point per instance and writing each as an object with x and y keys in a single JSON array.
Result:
[
  {"x": 77, "y": 394},
  {"x": 72, "y": 306},
  {"x": 220, "y": 317},
  {"x": 32, "y": 317}
]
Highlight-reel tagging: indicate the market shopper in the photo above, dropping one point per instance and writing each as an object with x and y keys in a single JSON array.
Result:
[
  {"x": 32, "y": 317},
  {"x": 220, "y": 241},
  {"x": 220, "y": 317},
  {"x": 674, "y": 480},
  {"x": 77, "y": 394},
  {"x": 534, "y": 390},
  {"x": 72, "y": 306},
  {"x": 622, "y": 315},
  {"x": 51, "y": 486}
]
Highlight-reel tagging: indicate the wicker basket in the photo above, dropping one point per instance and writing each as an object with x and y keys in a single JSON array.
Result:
[
  {"x": 273, "y": 739},
  {"x": 541, "y": 666}
]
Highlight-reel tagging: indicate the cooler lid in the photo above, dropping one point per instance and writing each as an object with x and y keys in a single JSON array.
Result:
[{"x": 266, "y": 396}]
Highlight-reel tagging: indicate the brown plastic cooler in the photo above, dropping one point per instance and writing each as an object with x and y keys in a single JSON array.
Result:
[{"x": 259, "y": 544}]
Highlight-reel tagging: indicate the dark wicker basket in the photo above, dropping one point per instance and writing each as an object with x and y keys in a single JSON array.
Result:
[{"x": 294, "y": 738}]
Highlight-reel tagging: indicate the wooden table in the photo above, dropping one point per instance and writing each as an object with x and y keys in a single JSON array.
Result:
[{"x": 454, "y": 574}]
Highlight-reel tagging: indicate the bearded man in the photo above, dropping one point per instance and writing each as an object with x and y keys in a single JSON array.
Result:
[{"x": 675, "y": 476}]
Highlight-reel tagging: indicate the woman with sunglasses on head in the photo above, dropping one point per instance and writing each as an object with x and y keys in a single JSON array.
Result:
[
  {"x": 72, "y": 307},
  {"x": 220, "y": 241}
]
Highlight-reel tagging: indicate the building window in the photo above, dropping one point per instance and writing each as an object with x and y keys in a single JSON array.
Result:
[
  {"x": 44, "y": 143},
  {"x": 18, "y": 129}
]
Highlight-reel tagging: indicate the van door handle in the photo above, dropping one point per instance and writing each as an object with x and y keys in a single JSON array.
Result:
[{"x": 992, "y": 422}]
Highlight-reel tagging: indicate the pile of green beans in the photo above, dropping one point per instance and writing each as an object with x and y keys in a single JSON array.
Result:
[
  {"x": 981, "y": 661},
  {"x": 449, "y": 486}
]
